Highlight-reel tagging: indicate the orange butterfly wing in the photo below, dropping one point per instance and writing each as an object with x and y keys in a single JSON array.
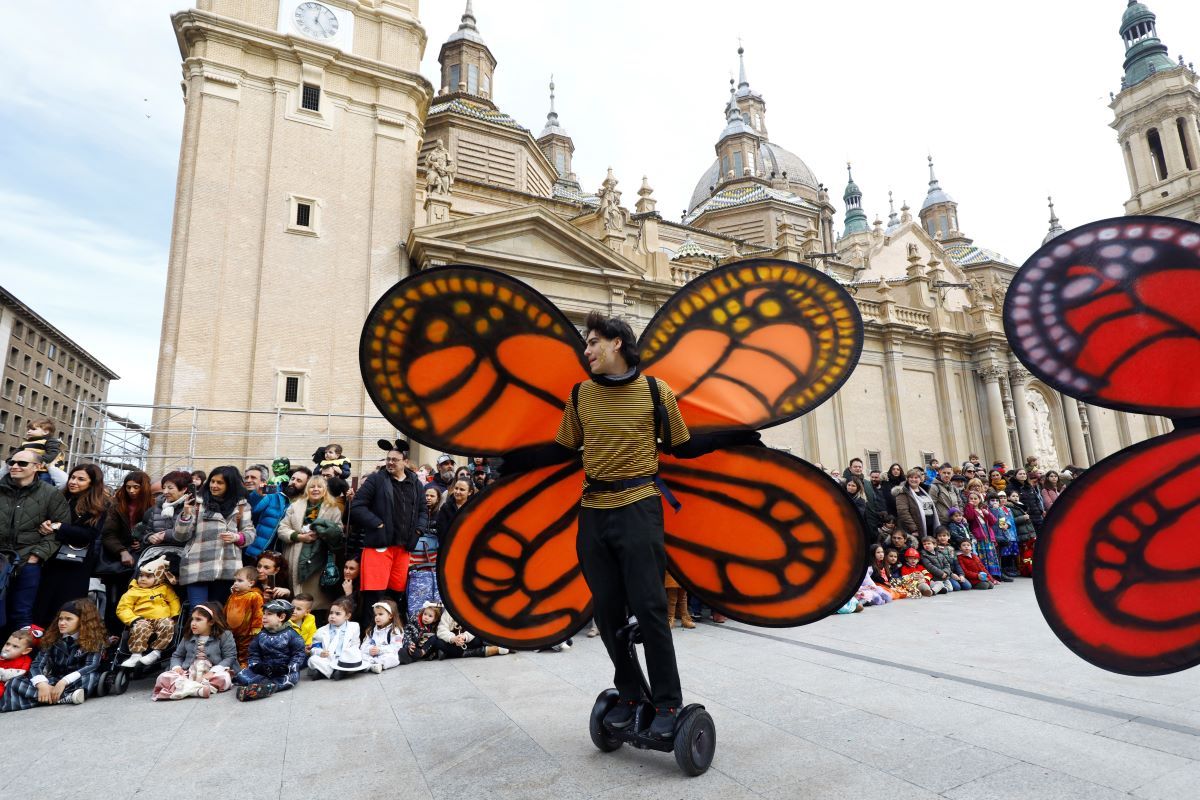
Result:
[
  {"x": 508, "y": 570},
  {"x": 753, "y": 344},
  {"x": 469, "y": 360},
  {"x": 781, "y": 548}
]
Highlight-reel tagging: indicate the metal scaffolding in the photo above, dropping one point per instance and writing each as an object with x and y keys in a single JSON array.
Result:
[{"x": 160, "y": 438}]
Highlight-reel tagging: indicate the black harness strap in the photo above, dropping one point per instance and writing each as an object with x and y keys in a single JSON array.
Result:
[{"x": 662, "y": 425}]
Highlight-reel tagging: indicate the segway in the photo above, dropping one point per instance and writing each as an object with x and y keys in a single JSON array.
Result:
[{"x": 695, "y": 737}]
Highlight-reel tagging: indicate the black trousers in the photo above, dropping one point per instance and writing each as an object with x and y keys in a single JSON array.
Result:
[{"x": 621, "y": 551}]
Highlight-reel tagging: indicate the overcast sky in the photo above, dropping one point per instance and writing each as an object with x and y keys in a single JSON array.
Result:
[{"x": 1011, "y": 99}]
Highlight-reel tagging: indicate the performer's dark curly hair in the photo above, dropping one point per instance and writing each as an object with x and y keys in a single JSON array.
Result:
[{"x": 614, "y": 328}]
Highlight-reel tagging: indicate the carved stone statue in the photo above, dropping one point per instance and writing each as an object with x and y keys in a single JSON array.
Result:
[
  {"x": 976, "y": 291},
  {"x": 610, "y": 208},
  {"x": 1043, "y": 433},
  {"x": 439, "y": 169},
  {"x": 998, "y": 293}
]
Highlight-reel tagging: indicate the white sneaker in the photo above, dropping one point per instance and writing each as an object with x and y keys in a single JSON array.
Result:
[
  {"x": 74, "y": 698},
  {"x": 503, "y": 651},
  {"x": 151, "y": 658},
  {"x": 132, "y": 661},
  {"x": 377, "y": 668}
]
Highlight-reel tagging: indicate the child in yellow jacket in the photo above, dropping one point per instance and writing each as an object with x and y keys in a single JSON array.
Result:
[{"x": 149, "y": 607}]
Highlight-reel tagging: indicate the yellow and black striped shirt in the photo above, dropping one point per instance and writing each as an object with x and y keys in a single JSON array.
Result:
[{"x": 615, "y": 426}]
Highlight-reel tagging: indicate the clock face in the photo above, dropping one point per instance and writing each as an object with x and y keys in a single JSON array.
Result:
[{"x": 316, "y": 20}]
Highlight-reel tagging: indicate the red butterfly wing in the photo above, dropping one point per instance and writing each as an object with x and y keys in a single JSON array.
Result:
[
  {"x": 1118, "y": 569},
  {"x": 763, "y": 536},
  {"x": 753, "y": 343},
  {"x": 508, "y": 570},
  {"x": 1107, "y": 314},
  {"x": 470, "y": 361}
]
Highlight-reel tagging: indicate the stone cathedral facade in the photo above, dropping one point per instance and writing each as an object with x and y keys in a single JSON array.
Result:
[{"x": 319, "y": 166}]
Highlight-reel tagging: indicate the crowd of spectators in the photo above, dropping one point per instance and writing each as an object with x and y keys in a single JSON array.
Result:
[
  {"x": 228, "y": 577},
  {"x": 246, "y": 577},
  {"x": 940, "y": 528}
]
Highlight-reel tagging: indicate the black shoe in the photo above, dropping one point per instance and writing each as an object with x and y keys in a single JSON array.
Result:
[
  {"x": 1005, "y": 578},
  {"x": 663, "y": 726},
  {"x": 620, "y": 716}
]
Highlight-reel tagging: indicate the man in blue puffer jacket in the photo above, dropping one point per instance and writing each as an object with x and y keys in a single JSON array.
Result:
[{"x": 266, "y": 510}]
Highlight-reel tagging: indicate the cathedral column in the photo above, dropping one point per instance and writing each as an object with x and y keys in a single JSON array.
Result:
[
  {"x": 1168, "y": 134},
  {"x": 893, "y": 377},
  {"x": 1098, "y": 448},
  {"x": 943, "y": 381},
  {"x": 1018, "y": 380},
  {"x": 995, "y": 406},
  {"x": 1141, "y": 160},
  {"x": 1079, "y": 455}
]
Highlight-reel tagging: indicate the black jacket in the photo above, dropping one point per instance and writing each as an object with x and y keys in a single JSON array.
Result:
[{"x": 373, "y": 506}]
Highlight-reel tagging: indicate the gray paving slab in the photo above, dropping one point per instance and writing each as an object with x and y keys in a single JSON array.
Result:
[{"x": 964, "y": 697}]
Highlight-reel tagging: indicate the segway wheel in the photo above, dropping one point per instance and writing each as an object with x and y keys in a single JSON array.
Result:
[
  {"x": 120, "y": 682},
  {"x": 105, "y": 687},
  {"x": 604, "y": 741},
  {"x": 695, "y": 743}
]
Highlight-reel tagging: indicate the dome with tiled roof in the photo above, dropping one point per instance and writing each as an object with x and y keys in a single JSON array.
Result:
[{"x": 773, "y": 159}]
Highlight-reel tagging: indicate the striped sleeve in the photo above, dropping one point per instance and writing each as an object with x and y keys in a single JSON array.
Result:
[{"x": 570, "y": 432}]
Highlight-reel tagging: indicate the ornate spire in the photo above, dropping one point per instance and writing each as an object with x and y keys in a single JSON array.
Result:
[
  {"x": 742, "y": 82},
  {"x": 1056, "y": 227},
  {"x": 893, "y": 219},
  {"x": 466, "y": 27},
  {"x": 552, "y": 123},
  {"x": 935, "y": 194},
  {"x": 856, "y": 218}
]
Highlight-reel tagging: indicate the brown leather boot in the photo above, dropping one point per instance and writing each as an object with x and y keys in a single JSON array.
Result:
[{"x": 672, "y": 600}]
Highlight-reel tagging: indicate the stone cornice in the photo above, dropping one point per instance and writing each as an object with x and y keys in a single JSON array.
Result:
[{"x": 193, "y": 25}]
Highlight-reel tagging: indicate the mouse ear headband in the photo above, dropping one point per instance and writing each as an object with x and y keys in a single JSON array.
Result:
[{"x": 388, "y": 447}]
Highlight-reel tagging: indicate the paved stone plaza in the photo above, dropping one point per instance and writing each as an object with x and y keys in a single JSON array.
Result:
[{"x": 959, "y": 697}]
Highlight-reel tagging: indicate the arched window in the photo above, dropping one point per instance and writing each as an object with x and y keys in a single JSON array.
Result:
[
  {"x": 1156, "y": 154},
  {"x": 737, "y": 163}
]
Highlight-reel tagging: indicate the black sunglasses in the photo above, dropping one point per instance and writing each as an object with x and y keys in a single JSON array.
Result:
[{"x": 12, "y": 462}]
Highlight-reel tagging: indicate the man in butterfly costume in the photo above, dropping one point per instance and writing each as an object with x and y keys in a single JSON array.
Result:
[
  {"x": 617, "y": 418},
  {"x": 473, "y": 361}
]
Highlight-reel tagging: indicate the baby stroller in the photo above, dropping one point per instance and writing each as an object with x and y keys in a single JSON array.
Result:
[{"x": 116, "y": 677}]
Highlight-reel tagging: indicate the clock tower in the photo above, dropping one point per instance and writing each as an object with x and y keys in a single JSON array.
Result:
[{"x": 302, "y": 124}]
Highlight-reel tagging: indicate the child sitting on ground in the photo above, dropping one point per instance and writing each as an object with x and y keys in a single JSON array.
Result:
[
  {"x": 67, "y": 668},
  {"x": 913, "y": 574},
  {"x": 870, "y": 592},
  {"x": 381, "y": 646},
  {"x": 957, "y": 527},
  {"x": 149, "y": 608},
  {"x": 973, "y": 568},
  {"x": 943, "y": 568},
  {"x": 203, "y": 658},
  {"x": 420, "y": 635},
  {"x": 303, "y": 622},
  {"x": 276, "y": 655},
  {"x": 244, "y": 611},
  {"x": 461, "y": 642},
  {"x": 15, "y": 658},
  {"x": 336, "y": 646}
]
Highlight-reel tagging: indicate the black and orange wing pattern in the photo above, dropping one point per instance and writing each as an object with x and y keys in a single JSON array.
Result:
[
  {"x": 778, "y": 549},
  {"x": 753, "y": 344},
  {"x": 473, "y": 361},
  {"x": 470, "y": 361},
  {"x": 508, "y": 570},
  {"x": 1106, "y": 313},
  {"x": 762, "y": 536}
]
